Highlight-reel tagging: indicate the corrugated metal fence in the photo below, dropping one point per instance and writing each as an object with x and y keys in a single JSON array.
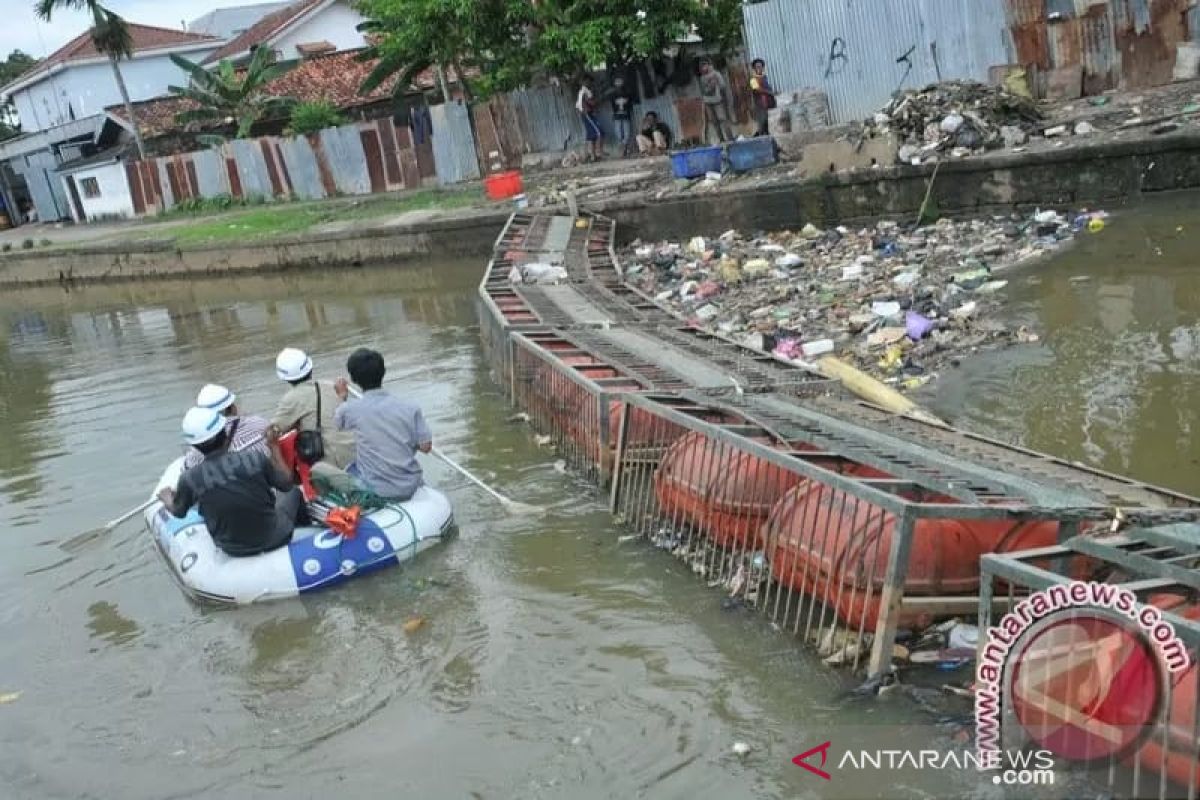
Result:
[
  {"x": 363, "y": 158},
  {"x": 1129, "y": 44},
  {"x": 860, "y": 52}
]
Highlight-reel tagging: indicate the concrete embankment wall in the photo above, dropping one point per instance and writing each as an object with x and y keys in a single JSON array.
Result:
[
  {"x": 1104, "y": 174},
  {"x": 467, "y": 235}
]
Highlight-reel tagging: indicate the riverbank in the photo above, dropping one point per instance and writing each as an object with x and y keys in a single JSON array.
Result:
[{"x": 1108, "y": 174}]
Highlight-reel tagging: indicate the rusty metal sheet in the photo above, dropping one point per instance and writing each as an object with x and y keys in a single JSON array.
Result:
[
  {"x": 739, "y": 88},
  {"x": 1032, "y": 44},
  {"x": 391, "y": 162},
  {"x": 1066, "y": 46},
  {"x": 1101, "y": 65},
  {"x": 409, "y": 168},
  {"x": 369, "y": 137},
  {"x": 690, "y": 111},
  {"x": 134, "y": 177},
  {"x": 1146, "y": 38},
  {"x": 235, "y": 182},
  {"x": 272, "y": 170},
  {"x": 425, "y": 163},
  {"x": 487, "y": 136},
  {"x": 1026, "y": 12},
  {"x": 283, "y": 168}
]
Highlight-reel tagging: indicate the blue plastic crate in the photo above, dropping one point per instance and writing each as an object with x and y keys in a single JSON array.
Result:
[
  {"x": 696, "y": 162},
  {"x": 751, "y": 154}
]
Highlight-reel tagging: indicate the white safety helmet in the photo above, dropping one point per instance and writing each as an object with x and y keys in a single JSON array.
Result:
[
  {"x": 292, "y": 364},
  {"x": 201, "y": 425},
  {"x": 218, "y": 398}
]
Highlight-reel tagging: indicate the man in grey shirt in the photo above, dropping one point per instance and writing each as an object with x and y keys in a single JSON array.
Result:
[
  {"x": 388, "y": 431},
  {"x": 715, "y": 93}
]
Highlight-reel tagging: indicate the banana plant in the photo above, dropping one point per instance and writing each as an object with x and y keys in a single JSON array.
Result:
[{"x": 229, "y": 96}]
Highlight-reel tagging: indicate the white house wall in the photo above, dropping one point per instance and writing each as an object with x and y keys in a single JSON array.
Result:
[
  {"x": 336, "y": 24},
  {"x": 114, "y": 199},
  {"x": 88, "y": 89}
]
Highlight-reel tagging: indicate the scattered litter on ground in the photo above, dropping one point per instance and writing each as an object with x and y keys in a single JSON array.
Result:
[
  {"x": 956, "y": 117},
  {"x": 897, "y": 302}
]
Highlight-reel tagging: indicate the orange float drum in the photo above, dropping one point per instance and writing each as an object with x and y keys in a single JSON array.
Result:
[
  {"x": 727, "y": 493},
  {"x": 832, "y": 545}
]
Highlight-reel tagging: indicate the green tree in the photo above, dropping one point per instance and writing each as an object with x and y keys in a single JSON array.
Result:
[
  {"x": 512, "y": 41},
  {"x": 313, "y": 116},
  {"x": 111, "y": 37},
  {"x": 228, "y": 95},
  {"x": 11, "y": 68}
]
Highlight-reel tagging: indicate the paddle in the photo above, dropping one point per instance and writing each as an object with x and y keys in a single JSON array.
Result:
[
  {"x": 510, "y": 505},
  {"x": 75, "y": 542}
]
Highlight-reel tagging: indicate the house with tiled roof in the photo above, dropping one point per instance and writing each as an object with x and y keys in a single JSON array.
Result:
[
  {"x": 61, "y": 103},
  {"x": 76, "y": 81},
  {"x": 300, "y": 30}
]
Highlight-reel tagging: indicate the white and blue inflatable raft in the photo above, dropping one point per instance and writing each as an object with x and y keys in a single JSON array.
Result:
[{"x": 315, "y": 559}]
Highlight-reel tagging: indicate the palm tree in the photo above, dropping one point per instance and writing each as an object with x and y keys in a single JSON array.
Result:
[
  {"x": 111, "y": 37},
  {"x": 225, "y": 95}
]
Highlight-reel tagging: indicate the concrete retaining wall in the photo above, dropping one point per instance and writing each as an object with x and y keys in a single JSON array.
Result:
[
  {"x": 458, "y": 237},
  {"x": 1105, "y": 174}
]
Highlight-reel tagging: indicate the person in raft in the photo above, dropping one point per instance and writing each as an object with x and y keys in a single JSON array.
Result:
[
  {"x": 388, "y": 431},
  {"x": 297, "y": 409},
  {"x": 234, "y": 489},
  {"x": 244, "y": 432}
]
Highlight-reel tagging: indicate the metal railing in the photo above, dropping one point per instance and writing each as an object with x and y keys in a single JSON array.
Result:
[{"x": 811, "y": 538}]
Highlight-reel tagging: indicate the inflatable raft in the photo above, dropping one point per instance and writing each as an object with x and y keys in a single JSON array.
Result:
[{"x": 315, "y": 559}]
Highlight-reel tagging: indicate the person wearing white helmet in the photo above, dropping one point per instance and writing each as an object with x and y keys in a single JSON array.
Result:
[
  {"x": 245, "y": 432},
  {"x": 234, "y": 489},
  {"x": 298, "y": 408}
]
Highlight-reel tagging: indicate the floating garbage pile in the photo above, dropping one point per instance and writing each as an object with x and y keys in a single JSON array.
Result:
[
  {"x": 898, "y": 303},
  {"x": 956, "y": 117}
]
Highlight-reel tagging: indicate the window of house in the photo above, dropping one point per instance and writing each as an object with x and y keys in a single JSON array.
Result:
[{"x": 90, "y": 187}]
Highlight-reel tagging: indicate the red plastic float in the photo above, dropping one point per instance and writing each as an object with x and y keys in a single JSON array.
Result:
[
  {"x": 830, "y": 544},
  {"x": 729, "y": 494}
]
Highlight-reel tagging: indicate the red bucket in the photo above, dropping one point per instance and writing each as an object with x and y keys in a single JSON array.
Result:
[{"x": 503, "y": 185}]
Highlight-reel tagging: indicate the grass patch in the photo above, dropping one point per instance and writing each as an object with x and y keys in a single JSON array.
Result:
[{"x": 283, "y": 219}]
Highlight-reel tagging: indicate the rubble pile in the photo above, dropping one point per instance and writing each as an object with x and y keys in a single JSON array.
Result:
[
  {"x": 897, "y": 302},
  {"x": 959, "y": 117}
]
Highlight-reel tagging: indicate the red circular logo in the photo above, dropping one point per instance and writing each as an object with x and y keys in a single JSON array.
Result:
[{"x": 1086, "y": 686}]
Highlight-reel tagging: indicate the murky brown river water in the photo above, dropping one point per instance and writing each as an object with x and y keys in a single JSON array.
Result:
[{"x": 557, "y": 661}]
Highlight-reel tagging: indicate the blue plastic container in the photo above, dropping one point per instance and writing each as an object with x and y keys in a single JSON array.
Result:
[
  {"x": 751, "y": 154},
  {"x": 696, "y": 162}
]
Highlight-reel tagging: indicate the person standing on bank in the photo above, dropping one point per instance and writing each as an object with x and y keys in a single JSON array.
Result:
[
  {"x": 764, "y": 96},
  {"x": 388, "y": 432},
  {"x": 715, "y": 93},
  {"x": 622, "y": 108},
  {"x": 298, "y": 407},
  {"x": 585, "y": 104},
  {"x": 233, "y": 489}
]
